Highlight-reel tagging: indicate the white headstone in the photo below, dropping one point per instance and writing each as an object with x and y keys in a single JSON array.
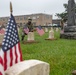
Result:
[
  {"x": 30, "y": 36},
  {"x": 30, "y": 67},
  {"x": 51, "y": 34},
  {"x": 46, "y": 29},
  {"x": 57, "y": 29}
]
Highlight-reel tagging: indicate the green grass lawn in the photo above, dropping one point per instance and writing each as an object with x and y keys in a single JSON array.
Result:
[{"x": 60, "y": 53}]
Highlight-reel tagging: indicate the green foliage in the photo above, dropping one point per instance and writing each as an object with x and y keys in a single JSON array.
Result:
[
  {"x": 63, "y": 15},
  {"x": 60, "y": 53},
  {"x": 65, "y": 6}
]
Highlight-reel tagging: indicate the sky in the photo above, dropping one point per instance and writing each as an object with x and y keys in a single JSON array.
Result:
[{"x": 24, "y": 7}]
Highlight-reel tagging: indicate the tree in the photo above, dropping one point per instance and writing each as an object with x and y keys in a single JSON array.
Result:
[
  {"x": 63, "y": 15},
  {"x": 65, "y": 6}
]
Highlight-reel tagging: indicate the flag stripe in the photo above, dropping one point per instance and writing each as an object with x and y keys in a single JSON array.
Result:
[
  {"x": 26, "y": 30},
  {"x": 8, "y": 58},
  {"x": 1, "y": 63},
  {"x": 15, "y": 54},
  {"x": 1, "y": 70},
  {"x": 1, "y": 60},
  {"x": 1, "y": 73},
  {"x": 2, "y": 31},
  {"x": 11, "y": 57},
  {"x": 18, "y": 59},
  {"x": 20, "y": 51},
  {"x": 5, "y": 59},
  {"x": 40, "y": 31}
]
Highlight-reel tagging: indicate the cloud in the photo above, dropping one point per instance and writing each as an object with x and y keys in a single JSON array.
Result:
[{"x": 22, "y": 7}]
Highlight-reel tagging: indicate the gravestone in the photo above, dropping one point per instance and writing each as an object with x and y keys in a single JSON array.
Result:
[
  {"x": 57, "y": 29},
  {"x": 30, "y": 36},
  {"x": 29, "y": 67},
  {"x": 51, "y": 34},
  {"x": 74, "y": 72},
  {"x": 70, "y": 29},
  {"x": 46, "y": 29}
]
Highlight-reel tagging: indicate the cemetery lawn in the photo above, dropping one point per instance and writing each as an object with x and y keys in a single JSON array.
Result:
[{"x": 60, "y": 53}]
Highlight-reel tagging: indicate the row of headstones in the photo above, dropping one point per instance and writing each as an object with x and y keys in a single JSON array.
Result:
[
  {"x": 47, "y": 29},
  {"x": 31, "y": 34},
  {"x": 51, "y": 34}
]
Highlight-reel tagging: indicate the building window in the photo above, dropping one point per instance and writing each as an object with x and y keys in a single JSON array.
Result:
[
  {"x": 17, "y": 18},
  {"x": 25, "y": 18},
  {"x": 34, "y": 23},
  {"x": 3, "y": 19},
  {"x": 7, "y": 19},
  {"x": 34, "y": 17},
  {"x": 0, "y": 19},
  {"x": 24, "y": 23},
  {"x": 21, "y": 18},
  {"x": 38, "y": 17},
  {"x": 29, "y": 17},
  {"x": 47, "y": 17},
  {"x": 21, "y": 24}
]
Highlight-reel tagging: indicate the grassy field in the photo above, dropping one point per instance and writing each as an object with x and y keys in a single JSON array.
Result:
[{"x": 60, "y": 53}]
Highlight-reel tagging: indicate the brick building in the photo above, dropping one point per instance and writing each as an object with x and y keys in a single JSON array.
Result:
[
  {"x": 56, "y": 21},
  {"x": 37, "y": 19}
]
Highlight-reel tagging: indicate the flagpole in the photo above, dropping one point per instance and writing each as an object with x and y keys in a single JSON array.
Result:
[{"x": 11, "y": 9}]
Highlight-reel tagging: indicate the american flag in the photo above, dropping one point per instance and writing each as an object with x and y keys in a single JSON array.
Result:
[
  {"x": 2, "y": 31},
  {"x": 1, "y": 63},
  {"x": 40, "y": 30},
  {"x": 11, "y": 45},
  {"x": 26, "y": 30}
]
